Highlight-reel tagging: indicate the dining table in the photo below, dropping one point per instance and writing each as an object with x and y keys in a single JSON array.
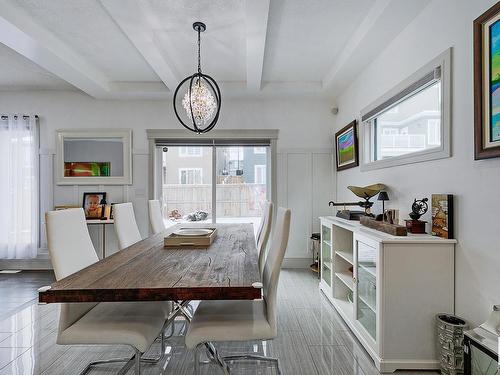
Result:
[{"x": 148, "y": 271}]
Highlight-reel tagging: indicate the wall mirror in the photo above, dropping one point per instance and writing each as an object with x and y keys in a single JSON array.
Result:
[{"x": 94, "y": 157}]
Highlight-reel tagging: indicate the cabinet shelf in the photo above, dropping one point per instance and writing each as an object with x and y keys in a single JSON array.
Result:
[
  {"x": 372, "y": 270},
  {"x": 348, "y": 257},
  {"x": 368, "y": 303},
  {"x": 327, "y": 243},
  {"x": 328, "y": 265},
  {"x": 346, "y": 278}
]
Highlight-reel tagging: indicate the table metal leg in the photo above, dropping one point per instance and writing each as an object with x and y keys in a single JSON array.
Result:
[{"x": 103, "y": 241}]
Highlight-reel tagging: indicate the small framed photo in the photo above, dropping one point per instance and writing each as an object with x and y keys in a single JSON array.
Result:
[
  {"x": 92, "y": 204},
  {"x": 346, "y": 147},
  {"x": 111, "y": 217},
  {"x": 442, "y": 215}
]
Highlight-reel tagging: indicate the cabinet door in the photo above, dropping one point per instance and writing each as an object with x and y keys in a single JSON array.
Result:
[
  {"x": 366, "y": 290},
  {"x": 326, "y": 254}
]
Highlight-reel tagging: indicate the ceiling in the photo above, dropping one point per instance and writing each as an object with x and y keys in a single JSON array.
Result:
[{"x": 143, "y": 49}]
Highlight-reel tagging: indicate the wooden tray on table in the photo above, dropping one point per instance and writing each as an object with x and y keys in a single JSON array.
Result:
[{"x": 191, "y": 238}]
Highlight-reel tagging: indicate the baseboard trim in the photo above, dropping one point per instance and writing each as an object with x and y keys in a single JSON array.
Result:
[
  {"x": 26, "y": 264},
  {"x": 296, "y": 263}
]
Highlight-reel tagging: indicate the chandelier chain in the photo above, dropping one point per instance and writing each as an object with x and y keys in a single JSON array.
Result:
[{"x": 199, "y": 49}]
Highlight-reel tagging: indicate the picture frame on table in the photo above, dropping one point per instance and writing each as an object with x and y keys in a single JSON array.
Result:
[
  {"x": 93, "y": 204},
  {"x": 486, "y": 33},
  {"x": 346, "y": 147}
]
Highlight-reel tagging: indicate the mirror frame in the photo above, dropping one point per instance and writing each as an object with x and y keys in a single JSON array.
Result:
[{"x": 125, "y": 134}]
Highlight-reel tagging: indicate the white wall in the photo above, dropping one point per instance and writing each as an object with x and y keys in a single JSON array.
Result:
[
  {"x": 443, "y": 24},
  {"x": 304, "y": 124}
]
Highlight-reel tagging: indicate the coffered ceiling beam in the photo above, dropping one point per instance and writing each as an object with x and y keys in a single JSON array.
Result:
[
  {"x": 256, "y": 15},
  {"x": 138, "y": 22},
  {"x": 20, "y": 33}
]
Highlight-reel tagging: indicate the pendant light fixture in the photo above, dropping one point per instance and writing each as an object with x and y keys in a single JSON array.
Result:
[{"x": 201, "y": 101}]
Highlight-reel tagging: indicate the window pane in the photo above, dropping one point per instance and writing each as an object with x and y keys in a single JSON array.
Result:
[
  {"x": 241, "y": 183},
  {"x": 412, "y": 125},
  {"x": 187, "y": 184}
]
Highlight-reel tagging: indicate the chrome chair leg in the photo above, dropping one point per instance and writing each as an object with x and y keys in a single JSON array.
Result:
[
  {"x": 253, "y": 357},
  {"x": 136, "y": 358},
  {"x": 162, "y": 350},
  {"x": 214, "y": 357},
  {"x": 137, "y": 366}
]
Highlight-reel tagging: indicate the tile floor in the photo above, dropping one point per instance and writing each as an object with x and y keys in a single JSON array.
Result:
[{"x": 312, "y": 339}]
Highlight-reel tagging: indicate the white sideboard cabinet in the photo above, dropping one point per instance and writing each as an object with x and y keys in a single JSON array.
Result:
[{"x": 388, "y": 290}]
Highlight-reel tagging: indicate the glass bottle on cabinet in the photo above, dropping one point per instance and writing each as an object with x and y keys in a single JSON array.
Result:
[
  {"x": 366, "y": 311},
  {"x": 326, "y": 255}
]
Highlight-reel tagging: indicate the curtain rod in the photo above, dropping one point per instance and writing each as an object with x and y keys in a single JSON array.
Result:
[{"x": 5, "y": 117}]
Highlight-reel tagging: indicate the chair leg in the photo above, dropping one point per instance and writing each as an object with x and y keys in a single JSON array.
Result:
[
  {"x": 254, "y": 357},
  {"x": 197, "y": 358},
  {"x": 123, "y": 370},
  {"x": 137, "y": 362},
  {"x": 162, "y": 350},
  {"x": 129, "y": 362},
  {"x": 213, "y": 357}
]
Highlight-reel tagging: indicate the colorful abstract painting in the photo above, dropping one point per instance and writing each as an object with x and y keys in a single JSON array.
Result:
[
  {"x": 486, "y": 36},
  {"x": 346, "y": 147},
  {"x": 495, "y": 81},
  {"x": 87, "y": 169}
]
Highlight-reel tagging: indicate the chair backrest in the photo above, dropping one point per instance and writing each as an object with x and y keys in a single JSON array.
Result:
[
  {"x": 155, "y": 216},
  {"x": 273, "y": 264},
  {"x": 263, "y": 233},
  {"x": 126, "y": 227},
  {"x": 71, "y": 250}
]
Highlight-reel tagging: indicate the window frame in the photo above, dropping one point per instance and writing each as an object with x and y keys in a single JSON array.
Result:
[
  {"x": 261, "y": 167},
  {"x": 183, "y": 152},
  {"x": 368, "y": 135},
  {"x": 188, "y": 170}
]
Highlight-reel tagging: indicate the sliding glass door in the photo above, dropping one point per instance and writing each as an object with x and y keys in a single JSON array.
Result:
[
  {"x": 186, "y": 183},
  {"x": 241, "y": 187},
  {"x": 225, "y": 183}
]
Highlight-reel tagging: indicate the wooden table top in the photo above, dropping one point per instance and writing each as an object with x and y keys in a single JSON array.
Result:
[{"x": 146, "y": 271}]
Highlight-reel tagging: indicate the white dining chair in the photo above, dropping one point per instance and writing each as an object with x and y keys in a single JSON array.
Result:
[
  {"x": 136, "y": 324},
  {"x": 155, "y": 216},
  {"x": 218, "y": 321},
  {"x": 263, "y": 233},
  {"x": 126, "y": 229}
]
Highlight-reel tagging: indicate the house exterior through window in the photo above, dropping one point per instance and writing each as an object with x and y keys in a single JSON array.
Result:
[{"x": 190, "y": 176}]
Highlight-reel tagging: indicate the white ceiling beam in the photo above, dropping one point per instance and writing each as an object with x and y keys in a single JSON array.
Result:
[
  {"x": 138, "y": 23},
  {"x": 20, "y": 33},
  {"x": 384, "y": 21},
  {"x": 256, "y": 16}
]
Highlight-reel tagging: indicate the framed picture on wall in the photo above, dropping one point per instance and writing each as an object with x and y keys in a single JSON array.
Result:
[
  {"x": 487, "y": 84},
  {"x": 93, "y": 204},
  {"x": 346, "y": 147}
]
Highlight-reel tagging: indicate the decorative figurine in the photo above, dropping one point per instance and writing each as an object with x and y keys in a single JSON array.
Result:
[
  {"x": 366, "y": 193},
  {"x": 418, "y": 208}
]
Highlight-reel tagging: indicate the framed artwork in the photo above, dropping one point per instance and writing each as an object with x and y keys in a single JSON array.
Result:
[
  {"x": 87, "y": 169},
  {"x": 346, "y": 147},
  {"x": 442, "y": 215},
  {"x": 92, "y": 205},
  {"x": 487, "y": 84}
]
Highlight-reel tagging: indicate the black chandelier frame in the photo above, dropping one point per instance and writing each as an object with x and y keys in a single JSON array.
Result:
[{"x": 197, "y": 78}]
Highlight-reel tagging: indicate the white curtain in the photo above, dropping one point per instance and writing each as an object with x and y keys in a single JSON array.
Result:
[{"x": 18, "y": 187}]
